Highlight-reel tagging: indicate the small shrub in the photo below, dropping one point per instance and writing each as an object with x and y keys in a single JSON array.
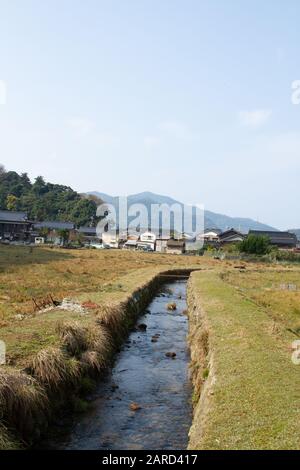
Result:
[
  {"x": 289, "y": 256},
  {"x": 255, "y": 245}
]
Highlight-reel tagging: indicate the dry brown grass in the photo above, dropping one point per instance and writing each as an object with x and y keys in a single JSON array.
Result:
[
  {"x": 23, "y": 402},
  {"x": 268, "y": 288},
  {"x": 50, "y": 367},
  {"x": 112, "y": 317},
  {"x": 26, "y": 274},
  {"x": 74, "y": 337},
  {"x": 100, "y": 340},
  {"x": 7, "y": 442},
  {"x": 92, "y": 344},
  {"x": 93, "y": 361}
]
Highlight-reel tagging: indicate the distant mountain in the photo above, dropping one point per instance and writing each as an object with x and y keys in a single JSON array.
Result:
[
  {"x": 211, "y": 219},
  {"x": 140, "y": 198}
]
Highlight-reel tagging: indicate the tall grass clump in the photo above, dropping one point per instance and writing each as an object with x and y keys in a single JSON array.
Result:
[
  {"x": 50, "y": 367},
  {"x": 100, "y": 348},
  {"x": 23, "y": 402},
  {"x": 114, "y": 318},
  {"x": 6, "y": 441},
  {"x": 74, "y": 337}
]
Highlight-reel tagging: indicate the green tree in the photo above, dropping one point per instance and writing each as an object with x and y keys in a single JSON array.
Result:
[
  {"x": 44, "y": 232},
  {"x": 12, "y": 202},
  {"x": 64, "y": 235},
  {"x": 46, "y": 201},
  {"x": 255, "y": 244},
  {"x": 39, "y": 187}
]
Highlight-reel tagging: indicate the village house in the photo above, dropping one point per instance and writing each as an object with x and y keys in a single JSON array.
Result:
[
  {"x": 130, "y": 242},
  {"x": 52, "y": 231},
  {"x": 130, "y": 245},
  {"x": 147, "y": 241},
  {"x": 231, "y": 236},
  {"x": 14, "y": 226},
  {"x": 283, "y": 240},
  {"x": 110, "y": 240},
  {"x": 161, "y": 244},
  {"x": 210, "y": 236},
  {"x": 88, "y": 235},
  {"x": 175, "y": 247}
]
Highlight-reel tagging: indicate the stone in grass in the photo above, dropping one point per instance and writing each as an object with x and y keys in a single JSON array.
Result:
[
  {"x": 172, "y": 355},
  {"x": 134, "y": 406},
  {"x": 171, "y": 306}
]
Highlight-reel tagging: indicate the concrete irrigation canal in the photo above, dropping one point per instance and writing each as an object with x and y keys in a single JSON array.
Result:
[{"x": 145, "y": 401}]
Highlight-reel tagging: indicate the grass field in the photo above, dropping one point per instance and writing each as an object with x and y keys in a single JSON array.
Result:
[
  {"x": 251, "y": 386},
  {"x": 243, "y": 322},
  {"x": 28, "y": 276}
]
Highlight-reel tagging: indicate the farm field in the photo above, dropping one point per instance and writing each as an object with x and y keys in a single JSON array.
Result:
[
  {"x": 28, "y": 276},
  {"x": 246, "y": 387}
]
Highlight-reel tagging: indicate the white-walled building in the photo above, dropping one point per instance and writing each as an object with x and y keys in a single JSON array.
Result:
[
  {"x": 109, "y": 239},
  {"x": 147, "y": 241},
  {"x": 210, "y": 235},
  {"x": 161, "y": 244}
]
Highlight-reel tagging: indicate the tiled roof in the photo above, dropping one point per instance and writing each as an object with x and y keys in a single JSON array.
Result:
[
  {"x": 13, "y": 216},
  {"x": 87, "y": 230},
  {"x": 52, "y": 225},
  {"x": 230, "y": 233},
  {"x": 279, "y": 238}
]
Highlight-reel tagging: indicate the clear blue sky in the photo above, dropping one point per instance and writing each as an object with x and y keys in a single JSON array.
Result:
[{"x": 187, "y": 98}]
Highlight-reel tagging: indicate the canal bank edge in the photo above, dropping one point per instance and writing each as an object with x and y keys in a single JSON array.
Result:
[
  {"x": 246, "y": 386},
  {"x": 201, "y": 366}
]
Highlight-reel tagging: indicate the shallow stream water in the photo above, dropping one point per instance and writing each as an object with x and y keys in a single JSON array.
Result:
[{"x": 145, "y": 376}]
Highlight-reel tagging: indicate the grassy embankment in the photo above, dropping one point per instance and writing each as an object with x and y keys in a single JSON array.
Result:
[
  {"x": 52, "y": 353},
  {"x": 247, "y": 390}
]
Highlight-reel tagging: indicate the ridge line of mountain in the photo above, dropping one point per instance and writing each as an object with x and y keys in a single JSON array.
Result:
[{"x": 212, "y": 219}]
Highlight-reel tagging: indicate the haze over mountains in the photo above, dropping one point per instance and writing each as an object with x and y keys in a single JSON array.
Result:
[{"x": 211, "y": 219}]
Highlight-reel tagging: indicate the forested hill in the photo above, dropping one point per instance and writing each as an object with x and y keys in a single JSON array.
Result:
[{"x": 45, "y": 201}]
